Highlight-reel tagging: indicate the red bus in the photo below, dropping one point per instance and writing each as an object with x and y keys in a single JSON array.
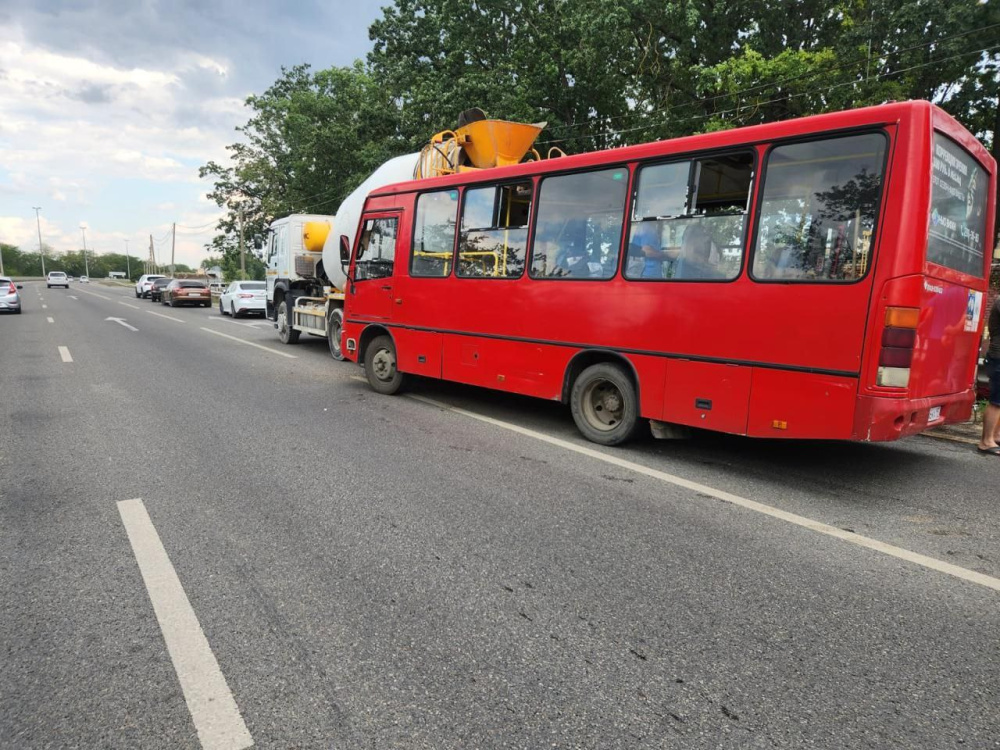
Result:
[{"x": 815, "y": 278}]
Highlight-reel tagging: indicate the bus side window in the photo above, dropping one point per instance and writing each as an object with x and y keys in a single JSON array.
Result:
[
  {"x": 434, "y": 234},
  {"x": 817, "y": 215},
  {"x": 579, "y": 225},
  {"x": 377, "y": 249},
  {"x": 689, "y": 220},
  {"x": 493, "y": 236}
]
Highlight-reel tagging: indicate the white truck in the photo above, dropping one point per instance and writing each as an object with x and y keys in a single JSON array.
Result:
[{"x": 305, "y": 277}]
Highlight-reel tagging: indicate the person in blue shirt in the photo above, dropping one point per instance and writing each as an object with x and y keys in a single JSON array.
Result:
[{"x": 645, "y": 244}]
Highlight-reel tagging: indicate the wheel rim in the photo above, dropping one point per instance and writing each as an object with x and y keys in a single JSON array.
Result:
[
  {"x": 384, "y": 365},
  {"x": 282, "y": 327},
  {"x": 603, "y": 405}
]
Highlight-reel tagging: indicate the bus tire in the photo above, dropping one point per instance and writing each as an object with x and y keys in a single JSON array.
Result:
[
  {"x": 604, "y": 404},
  {"x": 380, "y": 366},
  {"x": 286, "y": 334},
  {"x": 334, "y": 327}
]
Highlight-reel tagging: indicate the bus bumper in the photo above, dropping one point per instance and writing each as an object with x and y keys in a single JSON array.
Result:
[{"x": 879, "y": 419}]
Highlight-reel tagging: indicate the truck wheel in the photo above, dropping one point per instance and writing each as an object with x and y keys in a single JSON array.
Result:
[
  {"x": 380, "y": 366},
  {"x": 604, "y": 404},
  {"x": 286, "y": 334},
  {"x": 334, "y": 327}
]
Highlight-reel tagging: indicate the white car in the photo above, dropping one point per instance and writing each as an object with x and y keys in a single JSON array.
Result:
[
  {"x": 144, "y": 283},
  {"x": 242, "y": 297},
  {"x": 84, "y": 279},
  {"x": 57, "y": 278}
]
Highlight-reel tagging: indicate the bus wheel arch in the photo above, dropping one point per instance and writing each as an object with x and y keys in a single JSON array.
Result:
[
  {"x": 603, "y": 394},
  {"x": 584, "y": 359}
]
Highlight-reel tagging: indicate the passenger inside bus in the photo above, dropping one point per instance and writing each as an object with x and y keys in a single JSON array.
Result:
[
  {"x": 696, "y": 259},
  {"x": 646, "y": 254}
]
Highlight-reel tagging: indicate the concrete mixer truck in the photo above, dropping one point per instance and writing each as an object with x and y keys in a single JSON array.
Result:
[
  {"x": 305, "y": 278},
  {"x": 305, "y": 274}
]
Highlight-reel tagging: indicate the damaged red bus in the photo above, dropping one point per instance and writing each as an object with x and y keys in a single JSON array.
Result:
[{"x": 815, "y": 278}]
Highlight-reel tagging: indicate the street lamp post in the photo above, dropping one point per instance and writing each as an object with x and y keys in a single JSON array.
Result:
[
  {"x": 41, "y": 252},
  {"x": 86, "y": 265}
]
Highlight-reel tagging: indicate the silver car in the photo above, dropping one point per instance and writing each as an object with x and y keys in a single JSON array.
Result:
[{"x": 10, "y": 300}]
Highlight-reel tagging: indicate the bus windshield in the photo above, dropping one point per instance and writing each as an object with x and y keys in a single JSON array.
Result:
[{"x": 957, "y": 232}]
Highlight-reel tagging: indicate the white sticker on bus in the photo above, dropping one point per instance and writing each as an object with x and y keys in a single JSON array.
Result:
[{"x": 973, "y": 310}]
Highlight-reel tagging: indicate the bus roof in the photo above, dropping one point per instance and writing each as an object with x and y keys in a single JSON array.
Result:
[{"x": 883, "y": 114}]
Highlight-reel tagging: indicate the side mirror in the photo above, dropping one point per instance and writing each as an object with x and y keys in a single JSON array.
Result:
[
  {"x": 20, "y": 286},
  {"x": 345, "y": 250}
]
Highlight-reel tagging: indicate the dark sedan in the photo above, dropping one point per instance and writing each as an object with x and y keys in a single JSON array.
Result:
[
  {"x": 184, "y": 292},
  {"x": 156, "y": 290}
]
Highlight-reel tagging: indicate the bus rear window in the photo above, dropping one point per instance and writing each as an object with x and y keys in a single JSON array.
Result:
[
  {"x": 817, "y": 216},
  {"x": 957, "y": 232}
]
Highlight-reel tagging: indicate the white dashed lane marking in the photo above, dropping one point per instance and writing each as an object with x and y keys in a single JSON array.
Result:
[
  {"x": 213, "y": 709},
  {"x": 168, "y": 317},
  {"x": 64, "y": 353}
]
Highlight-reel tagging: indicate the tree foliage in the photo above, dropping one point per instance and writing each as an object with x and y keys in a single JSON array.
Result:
[{"x": 601, "y": 73}]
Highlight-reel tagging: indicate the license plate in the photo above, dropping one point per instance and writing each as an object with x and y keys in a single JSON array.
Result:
[
  {"x": 935, "y": 414},
  {"x": 194, "y": 294}
]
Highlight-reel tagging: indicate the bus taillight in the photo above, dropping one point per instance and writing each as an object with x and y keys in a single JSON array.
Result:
[{"x": 898, "y": 339}]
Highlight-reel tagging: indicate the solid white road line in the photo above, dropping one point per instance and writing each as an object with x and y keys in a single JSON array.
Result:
[
  {"x": 249, "y": 343},
  {"x": 72, "y": 297},
  {"x": 50, "y": 320},
  {"x": 64, "y": 353},
  {"x": 234, "y": 322},
  {"x": 212, "y": 706},
  {"x": 168, "y": 317},
  {"x": 134, "y": 307},
  {"x": 93, "y": 294},
  {"x": 820, "y": 528}
]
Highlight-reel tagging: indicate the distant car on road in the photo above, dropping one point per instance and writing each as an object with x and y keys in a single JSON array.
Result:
[
  {"x": 84, "y": 279},
  {"x": 145, "y": 282},
  {"x": 156, "y": 290},
  {"x": 186, "y": 292},
  {"x": 57, "y": 278},
  {"x": 10, "y": 300},
  {"x": 242, "y": 297}
]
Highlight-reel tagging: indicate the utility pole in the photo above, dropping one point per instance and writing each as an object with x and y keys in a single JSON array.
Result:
[
  {"x": 151, "y": 263},
  {"x": 41, "y": 252},
  {"x": 86, "y": 265},
  {"x": 243, "y": 250},
  {"x": 1, "y": 260},
  {"x": 128, "y": 271},
  {"x": 173, "y": 242}
]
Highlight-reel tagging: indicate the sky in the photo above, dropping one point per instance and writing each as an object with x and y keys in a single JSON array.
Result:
[{"x": 108, "y": 108}]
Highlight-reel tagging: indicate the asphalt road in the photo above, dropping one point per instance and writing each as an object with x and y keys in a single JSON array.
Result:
[{"x": 389, "y": 572}]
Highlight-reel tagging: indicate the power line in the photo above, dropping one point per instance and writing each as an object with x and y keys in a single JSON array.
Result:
[
  {"x": 784, "y": 81},
  {"x": 787, "y": 97}
]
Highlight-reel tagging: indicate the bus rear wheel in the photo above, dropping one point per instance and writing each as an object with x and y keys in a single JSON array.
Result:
[
  {"x": 380, "y": 366},
  {"x": 334, "y": 327},
  {"x": 604, "y": 404}
]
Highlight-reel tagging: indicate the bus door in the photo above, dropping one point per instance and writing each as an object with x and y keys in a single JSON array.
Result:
[{"x": 370, "y": 293}]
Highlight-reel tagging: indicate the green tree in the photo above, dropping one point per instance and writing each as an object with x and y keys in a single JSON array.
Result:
[{"x": 310, "y": 140}]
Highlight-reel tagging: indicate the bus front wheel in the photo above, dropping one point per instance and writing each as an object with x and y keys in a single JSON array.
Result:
[
  {"x": 605, "y": 405},
  {"x": 380, "y": 366}
]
